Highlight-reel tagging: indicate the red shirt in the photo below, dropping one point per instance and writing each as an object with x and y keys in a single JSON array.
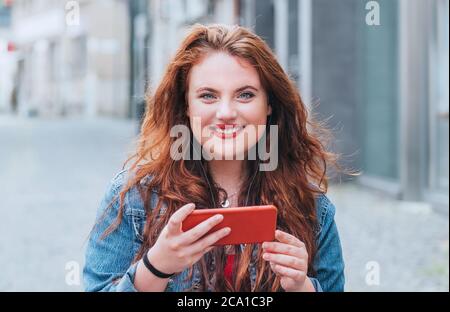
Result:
[{"x": 229, "y": 268}]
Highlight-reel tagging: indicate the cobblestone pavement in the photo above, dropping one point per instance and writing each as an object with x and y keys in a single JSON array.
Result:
[
  {"x": 406, "y": 242},
  {"x": 53, "y": 175},
  {"x": 54, "y": 172}
]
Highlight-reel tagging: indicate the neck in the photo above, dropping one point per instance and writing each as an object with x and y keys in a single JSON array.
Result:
[{"x": 227, "y": 173}]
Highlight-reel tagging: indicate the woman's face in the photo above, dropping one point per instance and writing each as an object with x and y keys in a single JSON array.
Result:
[{"x": 226, "y": 104}]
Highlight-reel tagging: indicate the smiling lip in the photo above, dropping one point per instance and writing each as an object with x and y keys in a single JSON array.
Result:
[{"x": 225, "y": 131}]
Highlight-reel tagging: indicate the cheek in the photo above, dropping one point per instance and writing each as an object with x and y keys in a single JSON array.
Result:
[
  {"x": 200, "y": 116},
  {"x": 198, "y": 109},
  {"x": 196, "y": 116},
  {"x": 255, "y": 114}
]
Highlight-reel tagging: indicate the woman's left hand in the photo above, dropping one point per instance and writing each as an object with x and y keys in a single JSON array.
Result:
[{"x": 289, "y": 259}]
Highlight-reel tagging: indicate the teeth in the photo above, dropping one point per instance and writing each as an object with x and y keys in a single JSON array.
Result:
[{"x": 228, "y": 130}]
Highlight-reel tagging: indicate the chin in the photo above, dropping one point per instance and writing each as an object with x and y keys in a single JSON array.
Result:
[{"x": 229, "y": 152}]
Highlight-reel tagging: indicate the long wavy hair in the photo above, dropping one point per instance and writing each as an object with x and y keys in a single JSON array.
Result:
[{"x": 301, "y": 174}]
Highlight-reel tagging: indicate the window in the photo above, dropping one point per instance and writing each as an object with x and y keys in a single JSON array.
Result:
[
  {"x": 293, "y": 57},
  {"x": 439, "y": 99},
  {"x": 378, "y": 87},
  {"x": 5, "y": 16},
  {"x": 265, "y": 21},
  {"x": 78, "y": 56}
]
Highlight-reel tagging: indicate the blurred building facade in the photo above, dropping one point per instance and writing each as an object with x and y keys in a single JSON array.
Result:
[
  {"x": 379, "y": 69},
  {"x": 72, "y": 57}
]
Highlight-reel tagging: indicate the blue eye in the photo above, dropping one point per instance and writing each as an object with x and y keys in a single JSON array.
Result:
[
  {"x": 246, "y": 95},
  {"x": 207, "y": 96}
]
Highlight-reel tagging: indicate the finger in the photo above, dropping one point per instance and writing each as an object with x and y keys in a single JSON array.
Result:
[
  {"x": 288, "y": 238},
  {"x": 285, "y": 260},
  {"x": 282, "y": 248},
  {"x": 202, "y": 252},
  {"x": 208, "y": 249},
  {"x": 210, "y": 239},
  {"x": 296, "y": 275},
  {"x": 174, "y": 225},
  {"x": 196, "y": 257},
  {"x": 194, "y": 234}
]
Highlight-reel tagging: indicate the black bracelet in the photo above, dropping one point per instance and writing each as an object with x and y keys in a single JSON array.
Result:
[{"x": 152, "y": 269}]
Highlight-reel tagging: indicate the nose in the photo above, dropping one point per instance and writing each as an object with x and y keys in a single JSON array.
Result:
[{"x": 226, "y": 111}]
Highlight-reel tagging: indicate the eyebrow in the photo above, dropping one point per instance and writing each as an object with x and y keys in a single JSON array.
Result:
[{"x": 213, "y": 90}]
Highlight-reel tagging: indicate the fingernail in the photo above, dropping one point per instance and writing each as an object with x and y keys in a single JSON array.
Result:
[
  {"x": 219, "y": 217},
  {"x": 227, "y": 230}
]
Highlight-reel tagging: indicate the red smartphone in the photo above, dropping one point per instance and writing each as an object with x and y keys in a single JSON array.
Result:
[{"x": 253, "y": 224}]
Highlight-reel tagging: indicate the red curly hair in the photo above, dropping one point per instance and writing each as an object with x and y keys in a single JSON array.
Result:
[{"x": 292, "y": 187}]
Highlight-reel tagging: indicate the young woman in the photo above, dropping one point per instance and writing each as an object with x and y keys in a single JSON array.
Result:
[{"x": 223, "y": 82}]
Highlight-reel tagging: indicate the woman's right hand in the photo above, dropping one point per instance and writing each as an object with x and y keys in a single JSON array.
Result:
[{"x": 175, "y": 250}]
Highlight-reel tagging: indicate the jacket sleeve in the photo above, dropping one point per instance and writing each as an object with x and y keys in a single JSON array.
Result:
[
  {"x": 108, "y": 260},
  {"x": 329, "y": 262}
]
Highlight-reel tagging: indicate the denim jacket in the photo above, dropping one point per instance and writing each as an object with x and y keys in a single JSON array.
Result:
[{"x": 108, "y": 262}]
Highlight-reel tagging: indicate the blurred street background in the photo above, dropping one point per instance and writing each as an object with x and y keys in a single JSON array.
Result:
[{"x": 73, "y": 76}]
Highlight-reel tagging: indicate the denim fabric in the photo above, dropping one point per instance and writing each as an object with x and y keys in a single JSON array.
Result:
[{"x": 108, "y": 262}]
